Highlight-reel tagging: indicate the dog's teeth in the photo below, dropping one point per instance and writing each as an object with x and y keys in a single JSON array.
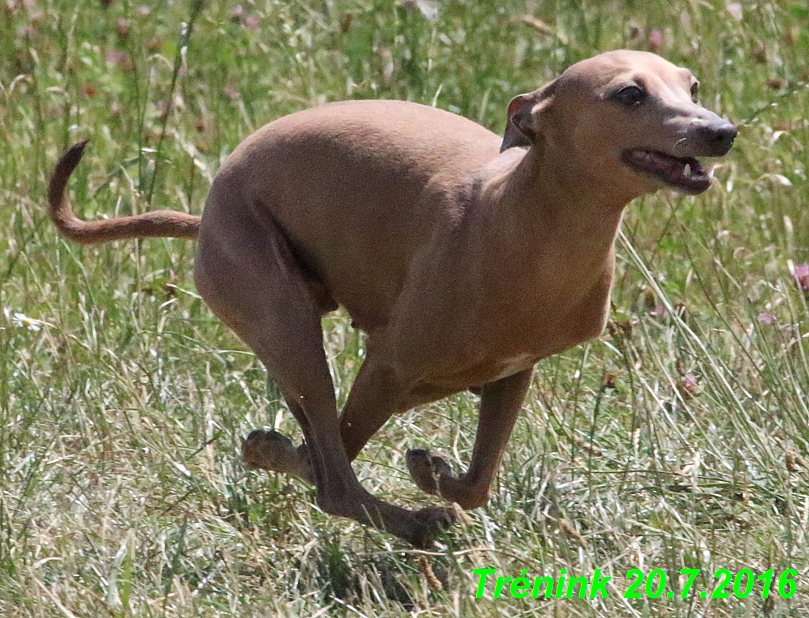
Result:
[{"x": 687, "y": 171}]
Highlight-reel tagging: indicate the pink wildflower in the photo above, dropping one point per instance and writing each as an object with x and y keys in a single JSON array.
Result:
[{"x": 802, "y": 277}]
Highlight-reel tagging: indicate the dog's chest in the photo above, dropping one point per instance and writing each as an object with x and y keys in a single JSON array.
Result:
[
  {"x": 524, "y": 343},
  {"x": 513, "y": 365}
]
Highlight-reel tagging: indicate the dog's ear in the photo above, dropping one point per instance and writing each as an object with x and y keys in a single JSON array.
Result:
[{"x": 522, "y": 112}]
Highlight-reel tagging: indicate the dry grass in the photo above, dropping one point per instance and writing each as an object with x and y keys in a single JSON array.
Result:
[{"x": 678, "y": 439}]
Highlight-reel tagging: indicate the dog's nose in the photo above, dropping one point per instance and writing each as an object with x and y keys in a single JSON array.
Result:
[{"x": 719, "y": 137}]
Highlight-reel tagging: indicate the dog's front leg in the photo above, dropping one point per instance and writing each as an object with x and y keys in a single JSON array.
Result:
[{"x": 500, "y": 404}]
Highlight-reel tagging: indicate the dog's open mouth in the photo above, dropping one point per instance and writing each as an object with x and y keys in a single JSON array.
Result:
[{"x": 685, "y": 174}]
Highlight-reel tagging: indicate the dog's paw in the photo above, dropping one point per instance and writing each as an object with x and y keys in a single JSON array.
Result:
[
  {"x": 428, "y": 523},
  {"x": 426, "y": 469},
  {"x": 460, "y": 491},
  {"x": 270, "y": 450},
  {"x": 433, "y": 475}
]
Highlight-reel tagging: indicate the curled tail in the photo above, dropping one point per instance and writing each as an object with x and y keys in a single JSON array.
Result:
[{"x": 168, "y": 223}]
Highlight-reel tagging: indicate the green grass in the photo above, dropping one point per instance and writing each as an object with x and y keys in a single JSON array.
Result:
[{"x": 667, "y": 443}]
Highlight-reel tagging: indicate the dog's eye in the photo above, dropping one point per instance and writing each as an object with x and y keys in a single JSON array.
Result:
[
  {"x": 695, "y": 91},
  {"x": 630, "y": 95}
]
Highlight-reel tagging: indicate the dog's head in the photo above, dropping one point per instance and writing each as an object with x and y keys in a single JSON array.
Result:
[{"x": 627, "y": 119}]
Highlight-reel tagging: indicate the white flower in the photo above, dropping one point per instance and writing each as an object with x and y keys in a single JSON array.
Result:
[{"x": 20, "y": 320}]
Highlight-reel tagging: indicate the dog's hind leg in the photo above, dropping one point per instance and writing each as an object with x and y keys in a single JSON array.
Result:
[
  {"x": 500, "y": 404},
  {"x": 249, "y": 277}
]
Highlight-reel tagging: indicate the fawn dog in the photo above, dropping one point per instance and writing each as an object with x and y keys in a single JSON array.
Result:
[{"x": 465, "y": 257}]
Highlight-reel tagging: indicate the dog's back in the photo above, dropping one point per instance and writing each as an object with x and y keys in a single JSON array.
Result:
[{"x": 382, "y": 178}]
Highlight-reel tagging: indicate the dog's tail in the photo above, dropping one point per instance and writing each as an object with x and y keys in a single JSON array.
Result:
[{"x": 167, "y": 223}]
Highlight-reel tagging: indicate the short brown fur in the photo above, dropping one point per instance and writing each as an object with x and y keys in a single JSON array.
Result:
[{"x": 464, "y": 264}]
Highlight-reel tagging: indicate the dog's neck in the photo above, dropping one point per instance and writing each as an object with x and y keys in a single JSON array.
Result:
[{"x": 536, "y": 208}]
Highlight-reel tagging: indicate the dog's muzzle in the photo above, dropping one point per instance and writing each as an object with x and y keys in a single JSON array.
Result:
[{"x": 717, "y": 138}]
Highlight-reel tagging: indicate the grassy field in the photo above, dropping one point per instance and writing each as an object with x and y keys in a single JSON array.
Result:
[{"x": 678, "y": 439}]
